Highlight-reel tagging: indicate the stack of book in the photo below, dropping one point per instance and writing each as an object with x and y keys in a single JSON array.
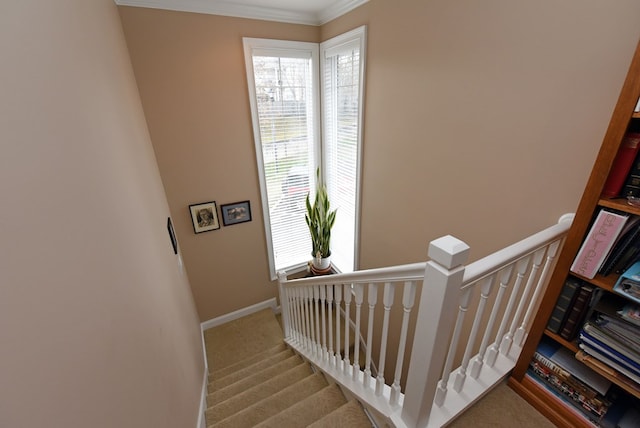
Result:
[
  {"x": 624, "y": 176},
  {"x": 584, "y": 392},
  {"x": 572, "y": 307},
  {"x": 612, "y": 336}
]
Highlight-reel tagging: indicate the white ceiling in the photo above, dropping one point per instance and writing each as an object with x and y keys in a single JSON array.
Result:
[{"x": 310, "y": 12}]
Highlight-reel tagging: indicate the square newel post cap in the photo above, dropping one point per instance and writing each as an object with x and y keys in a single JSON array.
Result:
[{"x": 448, "y": 251}]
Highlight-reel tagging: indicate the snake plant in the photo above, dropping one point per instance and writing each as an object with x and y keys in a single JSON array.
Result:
[{"x": 320, "y": 220}]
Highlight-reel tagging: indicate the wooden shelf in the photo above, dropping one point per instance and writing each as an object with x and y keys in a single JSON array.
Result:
[
  {"x": 554, "y": 407},
  {"x": 558, "y": 412},
  {"x": 622, "y": 381},
  {"x": 573, "y": 346},
  {"x": 619, "y": 204},
  {"x": 604, "y": 282}
]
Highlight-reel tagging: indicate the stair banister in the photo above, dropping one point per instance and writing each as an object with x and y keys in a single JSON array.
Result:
[
  {"x": 443, "y": 279},
  {"x": 430, "y": 399}
]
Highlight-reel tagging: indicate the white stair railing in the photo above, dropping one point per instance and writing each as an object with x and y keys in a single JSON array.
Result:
[{"x": 474, "y": 318}]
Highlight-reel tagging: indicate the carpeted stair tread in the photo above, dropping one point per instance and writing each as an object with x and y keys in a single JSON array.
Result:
[
  {"x": 259, "y": 392},
  {"x": 307, "y": 411},
  {"x": 217, "y": 374},
  {"x": 215, "y": 397},
  {"x": 274, "y": 404},
  {"x": 349, "y": 415},
  {"x": 242, "y": 338},
  {"x": 236, "y": 376}
]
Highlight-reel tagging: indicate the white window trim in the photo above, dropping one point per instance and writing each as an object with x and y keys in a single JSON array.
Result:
[
  {"x": 255, "y": 46},
  {"x": 267, "y": 46},
  {"x": 359, "y": 36}
]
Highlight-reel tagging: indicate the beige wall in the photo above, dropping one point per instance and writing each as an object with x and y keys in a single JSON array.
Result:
[
  {"x": 97, "y": 324},
  {"x": 482, "y": 120},
  {"x": 192, "y": 82}
]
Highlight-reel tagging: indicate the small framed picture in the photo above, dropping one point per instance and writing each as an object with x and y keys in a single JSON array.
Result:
[
  {"x": 239, "y": 212},
  {"x": 172, "y": 236},
  {"x": 204, "y": 217}
]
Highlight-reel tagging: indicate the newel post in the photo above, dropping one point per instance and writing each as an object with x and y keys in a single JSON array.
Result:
[
  {"x": 284, "y": 304},
  {"x": 436, "y": 317}
]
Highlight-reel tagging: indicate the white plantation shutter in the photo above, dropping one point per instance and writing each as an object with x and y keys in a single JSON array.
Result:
[
  {"x": 283, "y": 102},
  {"x": 342, "y": 75}
]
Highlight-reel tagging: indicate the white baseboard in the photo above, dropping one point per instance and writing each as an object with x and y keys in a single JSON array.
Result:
[
  {"x": 271, "y": 303},
  {"x": 202, "y": 422}
]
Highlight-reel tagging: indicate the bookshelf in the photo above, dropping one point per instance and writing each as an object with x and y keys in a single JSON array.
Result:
[{"x": 546, "y": 402}]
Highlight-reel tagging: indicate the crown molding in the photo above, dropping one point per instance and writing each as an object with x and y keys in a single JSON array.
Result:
[
  {"x": 225, "y": 8},
  {"x": 338, "y": 9}
]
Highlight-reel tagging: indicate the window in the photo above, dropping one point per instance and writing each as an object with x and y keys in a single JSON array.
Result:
[{"x": 286, "y": 89}]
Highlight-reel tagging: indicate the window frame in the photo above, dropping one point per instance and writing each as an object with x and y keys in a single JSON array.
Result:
[
  {"x": 357, "y": 36},
  {"x": 314, "y": 51}
]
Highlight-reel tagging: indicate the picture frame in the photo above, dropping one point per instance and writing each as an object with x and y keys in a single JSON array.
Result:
[
  {"x": 204, "y": 217},
  {"x": 172, "y": 236},
  {"x": 235, "y": 213}
]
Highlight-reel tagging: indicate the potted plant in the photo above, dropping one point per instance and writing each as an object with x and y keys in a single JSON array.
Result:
[{"x": 320, "y": 220}]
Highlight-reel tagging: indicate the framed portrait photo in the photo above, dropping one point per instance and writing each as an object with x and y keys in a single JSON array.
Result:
[
  {"x": 204, "y": 217},
  {"x": 238, "y": 212}
]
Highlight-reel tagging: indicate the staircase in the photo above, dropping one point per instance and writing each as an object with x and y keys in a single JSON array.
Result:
[{"x": 256, "y": 380}]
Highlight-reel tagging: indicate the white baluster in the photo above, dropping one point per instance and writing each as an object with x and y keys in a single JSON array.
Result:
[
  {"x": 505, "y": 279},
  {"x": 441, "y": 391},
  {"x": 307, "y": 319},
  {"x": 521, "y": 333},
  {"x": 338, "y": 296},
  {"x": 440, "y": 295},
  {"x": 347, "y": 323},
  {"x": 316, "y": 298},
  {"x": 507, "y": 340},
  {"x": 485, "y": 292},
  {"x": 323, "y": 304},
  {"x": 476, "y": 363},
  {"x": 298, "y": 316},
  {"x": 408, "y": 298},
  {"x": 387, "y": 301},
  {"x": 372, "y": 298},
  {"x": 359, "y": 297},
  {"x": 330, "y": 317}
]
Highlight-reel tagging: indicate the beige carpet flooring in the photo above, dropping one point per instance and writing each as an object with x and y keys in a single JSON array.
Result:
[
  {"x": 502, "y": 407},
  {"x": 256, "y": 380}
]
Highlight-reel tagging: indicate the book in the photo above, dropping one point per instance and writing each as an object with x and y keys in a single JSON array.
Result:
[
  {"x": 564, "y": 401},
  {"x": 577, "y": 313},
  {"x": 611, "y": 349},
  {"x": 622, "y": 164},
  {"x": 606, "y": 358},
  {"x": 612, "y": 316},
  {"x": 629, "y": 237},
  {"x": 631, "y": 185},
  {"x": 630, "y": 313},
  {"x": 562, "y": 379},
  {"x": 565, "y": 300},
  {"x": 628, "y": 285},
  {"x": 598, "y": 242},
  {"x": 564, "y": 358},
  {"x": 618, "y": 330}
]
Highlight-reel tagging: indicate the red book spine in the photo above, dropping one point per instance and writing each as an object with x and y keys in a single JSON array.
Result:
[{"x": 621, "y": 165}]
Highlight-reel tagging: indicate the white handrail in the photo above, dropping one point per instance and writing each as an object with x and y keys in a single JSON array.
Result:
[{"x": 517, "y": 274}]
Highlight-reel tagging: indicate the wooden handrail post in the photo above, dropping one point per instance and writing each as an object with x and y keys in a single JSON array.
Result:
[{"x": 436, "y": 315}]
